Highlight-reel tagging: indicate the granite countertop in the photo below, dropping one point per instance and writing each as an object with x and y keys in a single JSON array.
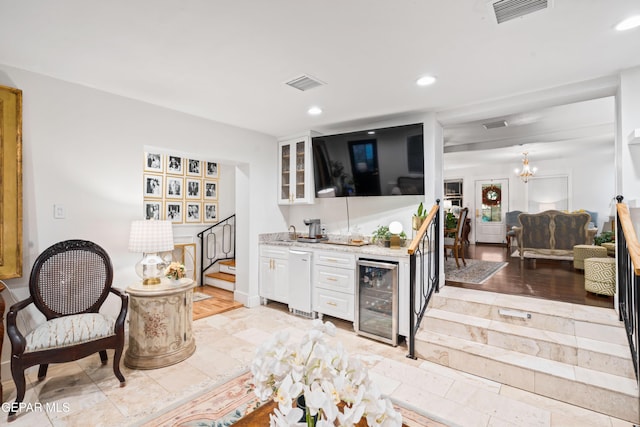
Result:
[{"x": 336, "y": 243}]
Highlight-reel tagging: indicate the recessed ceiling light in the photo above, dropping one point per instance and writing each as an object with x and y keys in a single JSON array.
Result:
[
  {"x": 426, "y": 81},
  {"x": 629, "y": 23},
  {"x": 371, "y": 132},
  {"x": 314, "y": 111}
]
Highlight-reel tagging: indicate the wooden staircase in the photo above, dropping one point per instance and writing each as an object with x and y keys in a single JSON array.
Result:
[
  {"x": 225, "y": 278},
  {"x": 568, "y": 352}
]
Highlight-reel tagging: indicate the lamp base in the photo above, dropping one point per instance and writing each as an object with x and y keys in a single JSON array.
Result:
[
  {"x": 151, "y": 281},
  {"x": 394, "y": 242}
]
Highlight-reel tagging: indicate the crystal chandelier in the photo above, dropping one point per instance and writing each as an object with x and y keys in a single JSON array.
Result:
[{"x": 527, "y": 171}]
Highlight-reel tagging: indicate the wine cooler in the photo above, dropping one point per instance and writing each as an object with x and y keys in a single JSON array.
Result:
[{"x": 377, "y": 300}]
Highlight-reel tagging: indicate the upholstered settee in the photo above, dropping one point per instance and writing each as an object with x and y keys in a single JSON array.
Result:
[{"x": 553, "y": 232}]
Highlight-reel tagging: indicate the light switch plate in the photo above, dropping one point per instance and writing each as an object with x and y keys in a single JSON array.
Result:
[{"x": 58, "y": 211}]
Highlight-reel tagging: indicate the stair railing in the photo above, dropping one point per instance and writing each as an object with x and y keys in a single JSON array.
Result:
[
  {"x": 628, "y": 269},
  {"x": 217, "y": 243},
  {"x": 425, "y": 248}
]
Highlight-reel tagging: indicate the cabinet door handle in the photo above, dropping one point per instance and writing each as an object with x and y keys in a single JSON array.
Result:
[
  {"x": 333, "y": 279},
  {"x": 332, "y": 304}
]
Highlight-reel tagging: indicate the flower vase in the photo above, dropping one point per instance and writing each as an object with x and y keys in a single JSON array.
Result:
[{"x": 304, "y": 420}]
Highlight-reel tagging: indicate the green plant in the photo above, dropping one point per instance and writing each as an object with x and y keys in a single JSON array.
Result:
[
  {"x": 383, "y": 233},
  {"x": 604, "y": 237},
  {"x": 450, "y": 221},
  {"x": 421, "y": 212}
]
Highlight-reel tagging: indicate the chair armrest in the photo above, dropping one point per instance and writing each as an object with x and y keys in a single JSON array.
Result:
[
  {"x": 124, "y": 298},
  {"x": 18, "y": 342},
  {"x": 591, "y": 234}
]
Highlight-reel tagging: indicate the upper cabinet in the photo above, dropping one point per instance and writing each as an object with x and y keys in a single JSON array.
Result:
[{"x": 295, "y": 179}]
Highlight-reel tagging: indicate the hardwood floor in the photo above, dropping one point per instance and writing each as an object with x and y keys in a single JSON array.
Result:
[
  {"x": 221, "y": 301},
  {"x": 548, "y": 279}
]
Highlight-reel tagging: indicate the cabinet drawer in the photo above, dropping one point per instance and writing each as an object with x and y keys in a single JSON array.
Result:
[
  {"x": 335, "y": 279},
  {"x": 333, "y": 303},
  {"x": 281, "y": 252},
  {"x": 335, "y": 259}
]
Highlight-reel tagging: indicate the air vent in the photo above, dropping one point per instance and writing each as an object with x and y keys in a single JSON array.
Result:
[
  {"x": 305, "y": 82},
  {"x": 495, "y": 125},
  {"x": 505, "y": 10}
]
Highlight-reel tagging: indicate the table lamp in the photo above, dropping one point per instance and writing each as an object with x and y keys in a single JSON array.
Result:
[
  {"x": 150, "y": 237},
  {"x": 395, "y": 228}
]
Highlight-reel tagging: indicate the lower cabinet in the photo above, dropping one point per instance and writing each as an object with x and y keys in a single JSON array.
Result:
[
  {"x": 334, "y": 285},
  {"x": 274, "y": 273}
]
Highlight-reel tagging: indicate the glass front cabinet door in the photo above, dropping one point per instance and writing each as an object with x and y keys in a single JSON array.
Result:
[{"x": 295, "y": 180}]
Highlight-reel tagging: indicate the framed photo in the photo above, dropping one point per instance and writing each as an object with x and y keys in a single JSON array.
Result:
[
  {"x": 153, "y": 162},
  {"x": 194, "y": 189},
  {"x": 175, "y": 165},
  {"x": 175, "y": 187},
  {"x": 152, "y": 186},
  {"x": 210, "y": 212},
  {"x": 194, "y": 213},
  {"x": 210, "y": 190},
  {"x": 194, "y": 167},
  {"x": 173, "y": 212},
  {"x": 212, "y": 170},
  {"x": 152, "y": 209}
]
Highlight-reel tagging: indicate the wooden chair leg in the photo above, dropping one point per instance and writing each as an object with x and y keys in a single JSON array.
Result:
[
  {"x": 103, "y": 356},
  {"x": 42, "y": 371},
  {"x": 116, "y": 366},
  {"x": 462, "y": 255},
  {"x": 455, "y": 254},
  {"x": 17, "y": 372}
]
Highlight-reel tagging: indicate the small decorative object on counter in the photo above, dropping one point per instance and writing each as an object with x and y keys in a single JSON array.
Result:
[
  {"x": 336, "y": 389},
  {"x": 175, "y": 271},
  {"x": 382, "y": 236},
  {"x": 418, "y": 217}
]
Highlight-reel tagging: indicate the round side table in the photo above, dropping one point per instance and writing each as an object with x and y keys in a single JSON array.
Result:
[{"x": 160, "y": 324}]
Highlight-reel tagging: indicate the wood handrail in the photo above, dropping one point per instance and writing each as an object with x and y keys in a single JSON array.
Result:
[
  {"x": 413, "y": 247},
  {"x": 630, "y": 236}
]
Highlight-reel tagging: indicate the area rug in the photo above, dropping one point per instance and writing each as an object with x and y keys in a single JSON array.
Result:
[
  {"x": 227, "y": 403},
  {"x": 535, "y": 255},
  {"x": 199, "y": 296},
  {"x": 476, "y": 271}
]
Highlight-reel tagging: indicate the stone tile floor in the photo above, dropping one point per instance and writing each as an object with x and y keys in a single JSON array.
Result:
[{"x": 85, "y": 393}]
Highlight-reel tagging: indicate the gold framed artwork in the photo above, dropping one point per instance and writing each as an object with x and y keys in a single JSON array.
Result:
[
  {"x": 173, "y": 212},
  {"x": 193, "y": 210},
  {"x": 10, "y": 182},
  {"x": 179, "y": 189},
  {"x": 152, "y": 209},
  {"x": 210, "y": 212}
]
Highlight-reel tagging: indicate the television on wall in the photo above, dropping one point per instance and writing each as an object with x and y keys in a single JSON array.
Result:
[{"x": 373, "y": 162}]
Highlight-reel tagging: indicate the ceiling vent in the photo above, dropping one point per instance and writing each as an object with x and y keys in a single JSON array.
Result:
[
  {"x": 305, "y": 82},
  {"x": 495, "y": 125},
  {"x": 505, "y": 10}
]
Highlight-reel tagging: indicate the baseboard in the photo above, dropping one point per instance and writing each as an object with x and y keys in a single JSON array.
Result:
[{"x": 245, "y": 299}]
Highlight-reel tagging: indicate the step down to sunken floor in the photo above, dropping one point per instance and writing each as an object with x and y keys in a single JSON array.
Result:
[
  {"x": 221, "y": 280},
  {"x": 568, "y": 352}
]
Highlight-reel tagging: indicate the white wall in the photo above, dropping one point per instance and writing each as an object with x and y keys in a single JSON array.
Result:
[
  {"x": 629, "y": 120},
  {"x": 83, "y": 148},
  {"x": 591, "y": 180}
]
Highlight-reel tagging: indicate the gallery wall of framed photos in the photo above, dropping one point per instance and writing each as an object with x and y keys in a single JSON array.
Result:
[{"x": 180, "y": 189}]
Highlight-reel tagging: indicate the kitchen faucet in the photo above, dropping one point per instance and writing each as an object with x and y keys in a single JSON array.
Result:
[{"x": 295, "y": 235}]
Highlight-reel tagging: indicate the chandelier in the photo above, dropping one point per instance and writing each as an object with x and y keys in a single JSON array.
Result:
[{"x": 527, "y": 171}]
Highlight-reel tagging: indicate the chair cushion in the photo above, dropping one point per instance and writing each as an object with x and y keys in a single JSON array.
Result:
[
  {"x": 69, "y": 330},
  {"x": 449, "y": 241}
]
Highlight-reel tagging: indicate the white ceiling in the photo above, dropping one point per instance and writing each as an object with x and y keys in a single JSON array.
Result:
[{"x": 228, "y": 60}]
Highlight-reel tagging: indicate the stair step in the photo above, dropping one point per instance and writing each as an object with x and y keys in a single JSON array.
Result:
[
  {"x": 222, "y": 276},
  {"x": 229, "y": 262},
  {"x": 587, "y": 353},
  {"x": 599, "y": 391}
]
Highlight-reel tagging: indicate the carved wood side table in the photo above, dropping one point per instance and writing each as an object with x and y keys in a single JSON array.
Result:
[{"x": 160, "y": 324}]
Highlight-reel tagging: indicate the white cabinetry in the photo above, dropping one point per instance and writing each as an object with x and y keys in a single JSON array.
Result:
[
  {"x": 334, "y": 285},
  {"x": 295, "y": 179},
  {"x": 274, "y": 273}
]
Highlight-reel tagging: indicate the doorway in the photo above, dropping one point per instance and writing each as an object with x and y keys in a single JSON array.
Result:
[{"x": 492, "y": 202}]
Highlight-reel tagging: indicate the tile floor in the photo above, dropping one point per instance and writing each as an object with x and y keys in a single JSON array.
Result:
[{"x": 84, "y": 393}]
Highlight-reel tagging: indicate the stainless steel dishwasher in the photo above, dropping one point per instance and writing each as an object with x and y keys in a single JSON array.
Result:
[
  {"x": 300, "y": 283},
  {"x": 377, "y": 300}
]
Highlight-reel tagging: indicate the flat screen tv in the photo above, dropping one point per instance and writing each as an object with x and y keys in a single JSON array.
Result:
[{"x": 372, "y": 162}]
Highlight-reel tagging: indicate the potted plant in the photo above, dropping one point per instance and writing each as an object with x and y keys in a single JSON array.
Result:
[
  {"x": 382, "y": 236},
  {"x": 418, "y": 217}
]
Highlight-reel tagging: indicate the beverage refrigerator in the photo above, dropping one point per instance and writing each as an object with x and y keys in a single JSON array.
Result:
[{"x": 377, "y": 300}]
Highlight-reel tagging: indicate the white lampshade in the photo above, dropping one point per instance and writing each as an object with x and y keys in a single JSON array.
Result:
[{"x": 150, "y": 237}]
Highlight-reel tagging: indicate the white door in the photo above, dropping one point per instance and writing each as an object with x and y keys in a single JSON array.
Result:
[{"x": 492, "y": 202}]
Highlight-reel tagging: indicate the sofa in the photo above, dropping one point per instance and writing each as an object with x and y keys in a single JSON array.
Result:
[{"x": 553, "y": 232}]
